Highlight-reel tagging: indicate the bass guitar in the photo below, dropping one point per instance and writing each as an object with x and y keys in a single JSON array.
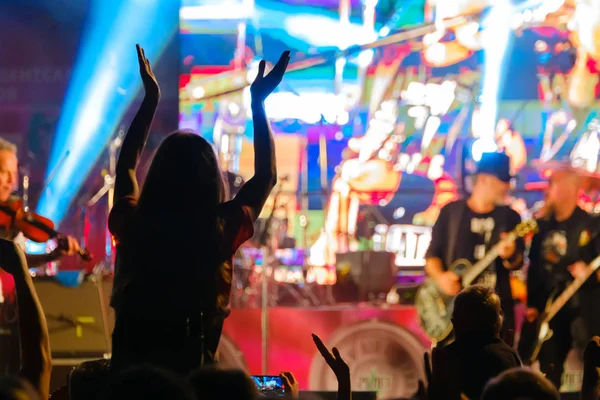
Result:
[
  {"x": 435, "y": 307},
  {"x": 554, "y": 305}
]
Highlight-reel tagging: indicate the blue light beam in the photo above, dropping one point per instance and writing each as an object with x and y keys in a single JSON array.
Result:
[
  {"x": 495, "y": 43},
  {"x": 103, "y": 84}
]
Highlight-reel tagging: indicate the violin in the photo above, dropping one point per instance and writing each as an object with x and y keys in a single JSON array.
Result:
[{"x": 33, "y": 226}]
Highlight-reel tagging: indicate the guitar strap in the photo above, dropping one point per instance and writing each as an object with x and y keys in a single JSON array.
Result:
[{"x": 456, "y": 213}]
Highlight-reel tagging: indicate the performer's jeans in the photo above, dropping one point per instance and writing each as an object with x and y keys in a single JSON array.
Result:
[{"x": 570, "y": 331}]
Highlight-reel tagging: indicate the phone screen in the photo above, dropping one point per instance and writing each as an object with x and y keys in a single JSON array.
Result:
[{"x": 269, "y": 384}]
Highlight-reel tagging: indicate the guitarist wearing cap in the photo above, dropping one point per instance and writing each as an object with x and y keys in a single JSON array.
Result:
[
  {"x": 560, "y": 252},
  {"x": 467, "y": 231}
]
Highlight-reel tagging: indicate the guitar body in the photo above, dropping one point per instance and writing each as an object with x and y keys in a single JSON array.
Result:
[{"x": 435, "y": 307}]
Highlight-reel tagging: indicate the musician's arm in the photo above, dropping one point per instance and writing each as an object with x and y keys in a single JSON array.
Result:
[
  {"x": 434, "y": 264},
  {"x": 515, "y": 261},
  {"x": 37, "y": 260},
  {"x": 591, "y": 250},
  {"x": 434, "y": 267}
]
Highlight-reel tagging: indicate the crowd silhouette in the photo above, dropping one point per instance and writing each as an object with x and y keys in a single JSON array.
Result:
[{"x": 166, "y": 347}]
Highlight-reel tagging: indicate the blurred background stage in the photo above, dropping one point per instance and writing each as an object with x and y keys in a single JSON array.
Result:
[{"x": 379, "y": 122}]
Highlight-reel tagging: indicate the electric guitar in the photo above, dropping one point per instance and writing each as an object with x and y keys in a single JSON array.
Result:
[
  {"x": 544, "y": 333},
  {"x": 435, "y": 307}
]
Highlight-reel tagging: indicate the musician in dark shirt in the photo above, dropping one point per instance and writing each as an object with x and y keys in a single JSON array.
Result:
[
  {"x": 559, "y": 252},
  {"x": 480, "y": 222}
]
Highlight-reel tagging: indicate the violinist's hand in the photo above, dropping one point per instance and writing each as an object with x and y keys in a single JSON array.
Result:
[
  {"x": 263, "y": 85},
  {"x": 68, "y": 246},
  {"x": 149, "y": 80},
  {"x": 506, "y": 248},
  {"x": 12, "y": 257}
]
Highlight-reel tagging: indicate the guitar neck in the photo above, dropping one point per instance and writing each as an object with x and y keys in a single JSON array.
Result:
[{"x": 568, "y": 293}]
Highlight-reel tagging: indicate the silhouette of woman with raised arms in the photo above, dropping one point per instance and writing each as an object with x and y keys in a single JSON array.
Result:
[{"x": 176, "y": 236}]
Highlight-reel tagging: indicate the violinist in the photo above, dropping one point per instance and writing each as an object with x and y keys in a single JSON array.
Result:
[{"x": 8, "y": 184}]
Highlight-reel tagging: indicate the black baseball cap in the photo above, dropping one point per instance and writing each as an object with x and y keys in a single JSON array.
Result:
[{"x": 496, "y": 164}]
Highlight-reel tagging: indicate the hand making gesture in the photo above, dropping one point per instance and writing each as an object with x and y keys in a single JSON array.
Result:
[
  {"x": 263, "y": 85},
  {"x": 150, "y": 83},
  {"x": 338, "y": 366}
]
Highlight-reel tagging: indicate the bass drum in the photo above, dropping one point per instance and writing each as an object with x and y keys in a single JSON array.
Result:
[{"x": 383, "y": 358}]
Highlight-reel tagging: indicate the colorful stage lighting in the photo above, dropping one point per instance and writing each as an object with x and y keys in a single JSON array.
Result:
[{"x": 103, "y": 84}]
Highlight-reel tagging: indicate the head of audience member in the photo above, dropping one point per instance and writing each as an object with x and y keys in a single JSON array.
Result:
[
  {"x": 150, "y": 383},
  {"x": 9, "y": 169},
  {"x": 520, "y": 384},
  {"x": 89, "y": 380},
  {"x": 13, "y": 388},
  {"x": 214, "y": 384},
  {"x": 562, "y": 192},
  {"x": 184, "y": 175},
  {"x": 492, "y": 180},
  {"x": 477, "y": 312}
]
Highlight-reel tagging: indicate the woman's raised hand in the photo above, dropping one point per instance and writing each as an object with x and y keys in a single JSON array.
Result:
[
  {"x": 150, "y": 83},
  {"x": 263, "y": 85}
]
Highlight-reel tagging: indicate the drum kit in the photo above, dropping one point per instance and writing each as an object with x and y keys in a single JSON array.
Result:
[{"x": 285, "y": 271}]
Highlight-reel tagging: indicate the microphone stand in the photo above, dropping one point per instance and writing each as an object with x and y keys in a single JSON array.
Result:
[{"x": 105, "y": 266}]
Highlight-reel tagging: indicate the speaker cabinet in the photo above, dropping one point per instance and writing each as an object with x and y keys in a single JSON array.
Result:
[{"x": 77, "y": 317}]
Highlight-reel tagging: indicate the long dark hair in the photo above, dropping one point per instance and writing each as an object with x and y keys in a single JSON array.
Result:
[
  {"x": 177, "y": 232},
  {"x": 184, "y": 173}
]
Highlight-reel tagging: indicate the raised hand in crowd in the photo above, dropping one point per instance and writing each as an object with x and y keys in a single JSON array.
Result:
[
  {"x": 148, "y": 79},
  {"x": 338, "y": 366},
  {"x": 126, "y": 182},
  {"x": 36, "y": 364},
  {"x": 590, "y": 387},
  {"x": 290, "y": 385},
  {"x": 263, "y": 85},
  {"x": 255, "y": 192}
]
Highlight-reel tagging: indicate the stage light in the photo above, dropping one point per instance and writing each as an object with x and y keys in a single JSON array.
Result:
[
  {"x": 104, "y": 81},
  {"x": 198, "y": 92},
  {"x": 495, "y": 39},
  {"x": 234, "y": 109},
  {"x": 481, "y": 146},
  {"x": 399, "y": 212},
  {"x": 227, "y": 10},
  {"x": 383, "y": 32},
  {"x": 365, "y": 58},
  {"x": 343, "y": 119},
  {"x": 338, "y": 35}
]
